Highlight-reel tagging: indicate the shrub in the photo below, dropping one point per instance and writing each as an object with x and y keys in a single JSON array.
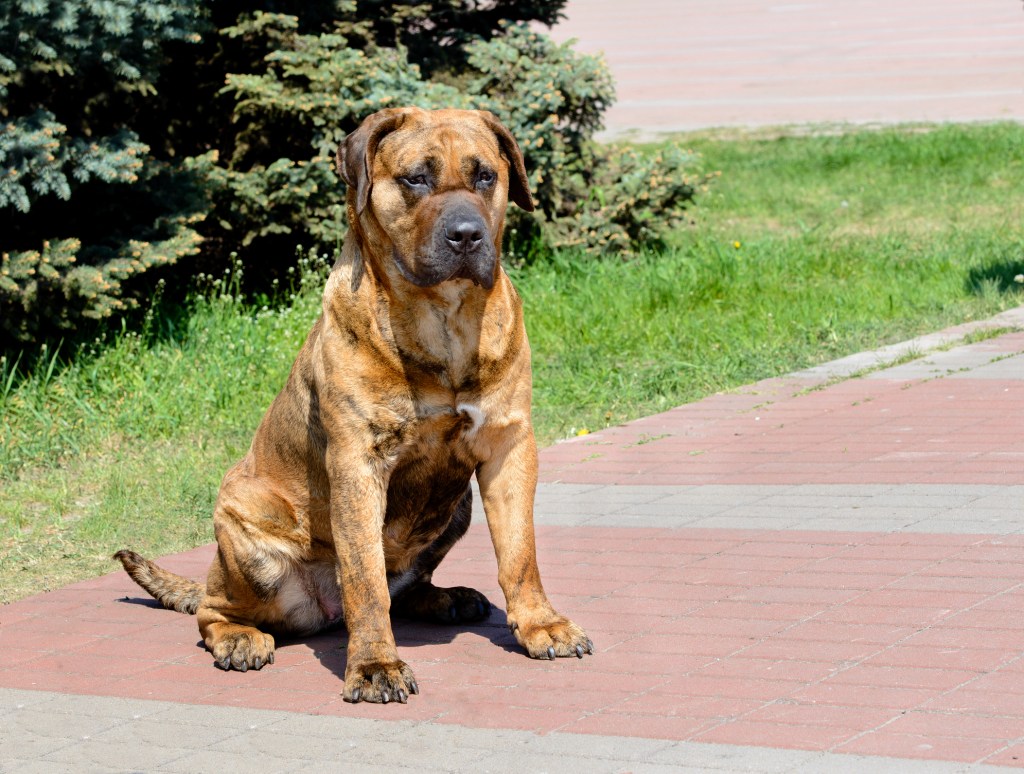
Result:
[
  {"x": 552, "y": 98},
  {"x": 593, "y": 198},
  {"x": 83, "y": 203}
]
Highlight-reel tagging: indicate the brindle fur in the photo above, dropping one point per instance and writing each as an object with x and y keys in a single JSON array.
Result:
[{"x": 415, "y": 377}]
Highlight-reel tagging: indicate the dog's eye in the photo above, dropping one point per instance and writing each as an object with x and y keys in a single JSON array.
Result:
[
  {"x": 484, "y": 178},
  {"x": 414, "y": 181}
]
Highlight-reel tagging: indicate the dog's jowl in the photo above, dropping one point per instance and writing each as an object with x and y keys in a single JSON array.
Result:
[{"x": 415, "y": 377}]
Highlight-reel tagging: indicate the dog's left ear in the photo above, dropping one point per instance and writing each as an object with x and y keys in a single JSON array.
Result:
[
  {"x": 518, "y": 183},
  {"x": 356, "y": 152}
]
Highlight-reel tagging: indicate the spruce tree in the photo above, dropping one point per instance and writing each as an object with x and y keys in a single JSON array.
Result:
[{"x": 84, "y": 204}]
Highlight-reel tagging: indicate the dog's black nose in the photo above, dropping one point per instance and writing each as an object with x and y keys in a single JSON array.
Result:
[{"x": 465, "y": 234}]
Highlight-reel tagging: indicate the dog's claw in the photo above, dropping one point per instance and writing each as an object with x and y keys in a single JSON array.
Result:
[
  {"x": 270, "y": 657},
  {"x": 258, "y": 663},
  {"x": 403, "y": 697},
  {"x": 355, "y": 696},
  {"x": 243, "y": 667},
  {"x": 224, "y": 663},
  {"x": 413, "y": 687},
  {"x": 579, "y": 651},
  {"x": 551, "y": 653},
  {"x": 385, "y": 697}
]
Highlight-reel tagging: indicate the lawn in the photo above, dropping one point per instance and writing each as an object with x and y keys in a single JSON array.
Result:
[{"x": 806, "y": 248}]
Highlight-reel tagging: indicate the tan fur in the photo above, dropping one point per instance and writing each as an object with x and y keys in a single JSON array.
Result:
[{"x": 415, "y": 377}]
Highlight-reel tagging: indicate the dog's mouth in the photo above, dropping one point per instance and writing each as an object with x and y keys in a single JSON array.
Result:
[
  {"x": 480, "y": 279},
  {"x": 441, "y": 265}
]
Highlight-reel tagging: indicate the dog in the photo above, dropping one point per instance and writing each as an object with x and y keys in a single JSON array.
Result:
[{"x": 415, "y": 377}]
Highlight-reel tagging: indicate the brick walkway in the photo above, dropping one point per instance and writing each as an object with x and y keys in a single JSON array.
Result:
[
  {"x": 802, "y": 573},
  {"x": 686, "y": 64}
]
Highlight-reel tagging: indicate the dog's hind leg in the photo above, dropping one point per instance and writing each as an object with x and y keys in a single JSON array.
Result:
[
  {"x": 228, "y": 616},
  {"x": 415, "y": 596},
  {"x": 252, "y": 581}
]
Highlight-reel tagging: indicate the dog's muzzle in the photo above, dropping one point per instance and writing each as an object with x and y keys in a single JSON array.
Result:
[
  {"x": 467, "y": 243},
  {"x": 460, "y": 247}
]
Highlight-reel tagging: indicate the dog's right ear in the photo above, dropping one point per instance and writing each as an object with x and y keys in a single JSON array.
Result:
[{"x": 356, "y": 152}]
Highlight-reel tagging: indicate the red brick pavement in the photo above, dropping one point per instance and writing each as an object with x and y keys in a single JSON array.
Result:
[
  {"x": 789, "y": 431},
  {"x": 684, "y": 64},
  {"x": 854, "y": 642}
]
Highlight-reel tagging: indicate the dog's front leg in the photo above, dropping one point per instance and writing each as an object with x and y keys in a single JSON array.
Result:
[
  {"x": 508, "y": 483},
  {"x": 373, "y": 671}
]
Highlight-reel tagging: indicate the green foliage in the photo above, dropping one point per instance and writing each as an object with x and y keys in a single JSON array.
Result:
[
  {"x": 36, "y": 157},
  {"x": 317, "y": 87},
  {"x": 438, "y": 33},
  {"x": 595, "y": 199},
  {"x": 69, "y": 73},
  {"x": 72, "y": 38},
  {"x": 551, "y": 97},
  {"x": 552, "y": 100}
]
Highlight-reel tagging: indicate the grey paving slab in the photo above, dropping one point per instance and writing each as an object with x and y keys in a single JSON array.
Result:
[
  {"x": 959, "y": 363},
  {"x": 733, "y": 495},
  {"x": 725, "y": 521},
  {"x": 877, "y": 363},
  {"x": 214, "y": 762},
  {"x": 954, "y": 508},
  {"x": 159, "y": 733},
  {"x": 1010, "y": 368},
  {"x": 86, "y": 753},
  {"x": 275, "y": 741}
]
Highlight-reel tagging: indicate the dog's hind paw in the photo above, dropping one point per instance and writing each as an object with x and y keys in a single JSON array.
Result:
[
  {"x": 379, "y": 682},
  {"x": 454, "y": 605},
  {"x": 243, "y": 649}
]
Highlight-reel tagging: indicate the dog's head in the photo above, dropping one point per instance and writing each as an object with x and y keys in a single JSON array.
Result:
[{"x": 432, "y": 186}]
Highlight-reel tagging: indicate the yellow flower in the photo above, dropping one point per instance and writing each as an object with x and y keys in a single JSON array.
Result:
[{"x": 736, "y": 245}]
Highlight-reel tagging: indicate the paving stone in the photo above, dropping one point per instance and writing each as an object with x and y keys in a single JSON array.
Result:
[{"x": 87, "y": 754}]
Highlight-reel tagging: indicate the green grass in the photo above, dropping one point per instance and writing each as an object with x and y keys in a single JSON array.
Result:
[{"x": 846, "y": 241}]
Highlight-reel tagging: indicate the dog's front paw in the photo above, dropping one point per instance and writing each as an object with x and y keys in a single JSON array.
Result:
[
  {"x": 243, "y": 648},
  {"x": 379, "y": 682},
  {"x": 556, "y": 636}
]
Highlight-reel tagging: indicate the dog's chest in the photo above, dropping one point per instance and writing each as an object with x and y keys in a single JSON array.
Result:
[
  {"x": 430, "y": 478},
  {"x": 449, "y": 429}
]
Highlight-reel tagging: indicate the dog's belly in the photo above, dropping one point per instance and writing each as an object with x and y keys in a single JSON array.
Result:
[{"x": 308, "y": 598}]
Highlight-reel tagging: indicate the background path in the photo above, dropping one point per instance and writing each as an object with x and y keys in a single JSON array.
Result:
[{"x": 687, "y": 64}]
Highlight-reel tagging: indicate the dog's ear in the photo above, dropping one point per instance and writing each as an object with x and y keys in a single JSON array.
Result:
[
  {"x": 356, "y": 152},
  {"x": 518, "y": 183}
]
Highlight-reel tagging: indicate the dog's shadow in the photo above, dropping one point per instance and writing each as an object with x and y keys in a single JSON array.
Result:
[
  {"x": 141, "y": 602},
  {"x": 329, "y": 645}
]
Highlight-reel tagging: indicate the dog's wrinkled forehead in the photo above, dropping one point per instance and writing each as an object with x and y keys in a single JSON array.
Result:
[
  {"x": 391, "y": 142},
  {"x": 438, "y": 149}
]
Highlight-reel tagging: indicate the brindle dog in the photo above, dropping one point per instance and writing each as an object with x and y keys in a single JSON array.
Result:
[{"x": 415, "y": 377}]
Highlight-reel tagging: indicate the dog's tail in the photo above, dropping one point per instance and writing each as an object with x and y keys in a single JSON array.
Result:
[{"x": 172, "y": 591}]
